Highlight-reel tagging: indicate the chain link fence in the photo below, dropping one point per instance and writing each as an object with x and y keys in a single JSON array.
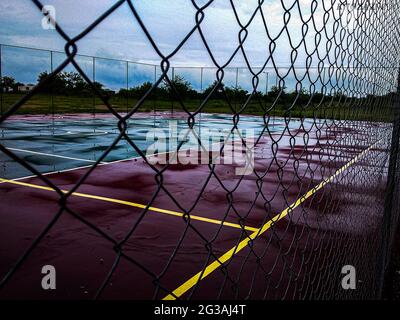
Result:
[{"x": 323, "y": 190}]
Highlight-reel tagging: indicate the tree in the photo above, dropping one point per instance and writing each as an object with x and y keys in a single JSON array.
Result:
[
  {"x": 139, "y": 91},
  {"x": 136, "y": 92},
  {"x": 68, "y": 83},
  {"x": 274, "y": 92},
  {"x": 183, "y": 87},
  {"x": 217, "y": 92},
  {"x": 8, "y": 83},
  {"x": 302, "y": 96},
  {"x": 258, "y": 95},
  {"x": 99, "y": 86},
  {"x": 237, "y": 94},
  {"x": 57, "y": 85}
]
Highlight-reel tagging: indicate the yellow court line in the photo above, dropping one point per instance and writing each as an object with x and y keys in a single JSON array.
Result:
[
  {"x": 182, "y": 289},
  {"x": 131, "y": 204}
]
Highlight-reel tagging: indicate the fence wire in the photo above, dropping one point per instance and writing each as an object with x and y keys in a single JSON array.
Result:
[{"x": 327, "y": 192}]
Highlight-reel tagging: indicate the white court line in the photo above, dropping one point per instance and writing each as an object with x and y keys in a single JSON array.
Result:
[
  {"x": 100, "y": 164},
  {"x": 86, "y": 160},
  {"x": 51, "y": 155},
  {"x": 73, "y": 169},
  {"x": 49, "y": 173},
  {"x": 87, "y": 166},
  {"x": 72, "y": 132}
]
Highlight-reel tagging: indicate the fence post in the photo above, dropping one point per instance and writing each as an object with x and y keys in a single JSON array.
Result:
[
  {"x": 201, "y": 79},
  {"x": 154, "y": 96},
  {"x": 51, "y": 91},
  {"x": 127, "y": 86},
  {"x": 236, "y": 87},
  {"x": 94, "y": 83},
  {"x": 384, "y": 253},
  {"x": 172, "y": 95},
  {"x": 201, "y": 90}
]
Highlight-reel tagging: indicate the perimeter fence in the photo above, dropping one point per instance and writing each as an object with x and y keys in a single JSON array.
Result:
[{"x": 322, "y": 196}]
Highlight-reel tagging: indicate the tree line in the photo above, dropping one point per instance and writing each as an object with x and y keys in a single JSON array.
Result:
[{"x": 73, "y": 84}]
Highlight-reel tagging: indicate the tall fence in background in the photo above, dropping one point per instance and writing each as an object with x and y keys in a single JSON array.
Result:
[{"x": 115, "y": 74}]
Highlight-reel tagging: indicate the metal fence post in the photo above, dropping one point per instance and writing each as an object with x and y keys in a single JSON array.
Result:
[
  {"x": 127, "y": 86},
  {"x": 51, "y": 91},
  {"x": 236, "y": 87},
  {"x": 201, "y": 90},
  {"x": 391, "y": 187},
  {"x": 94, "y": 83},
  {"x": 154, "y": 99},
  {"x": 201, "y": 79},
  {"x": 172, "y": 95}
]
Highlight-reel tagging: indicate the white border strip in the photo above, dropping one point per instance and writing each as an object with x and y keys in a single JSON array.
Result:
[{"x": 50, "y": 155}]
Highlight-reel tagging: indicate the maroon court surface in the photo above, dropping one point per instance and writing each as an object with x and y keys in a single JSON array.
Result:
[{"x": 165, "y": 250}]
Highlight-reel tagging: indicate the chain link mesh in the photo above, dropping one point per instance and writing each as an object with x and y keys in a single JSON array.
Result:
[{"x": 326, "y": 196}]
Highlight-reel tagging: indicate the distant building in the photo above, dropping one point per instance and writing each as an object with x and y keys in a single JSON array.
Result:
[
  {"x": 25, "y": 88},
  {"x": 7, "y": 89}
]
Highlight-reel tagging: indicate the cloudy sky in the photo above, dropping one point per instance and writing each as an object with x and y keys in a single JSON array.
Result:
[{"x": 120, "y": 36}]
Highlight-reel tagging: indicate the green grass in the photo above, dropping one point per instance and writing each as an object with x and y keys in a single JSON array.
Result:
[{"x": 46, "y": 104}]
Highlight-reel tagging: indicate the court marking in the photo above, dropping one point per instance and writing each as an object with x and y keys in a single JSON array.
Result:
[
  {"x": 77, "y": 132},
  {"x": 131, "y": 204},
  {"x": 88, "y": 166},
  {"x": 191, "y": 282},
  {"x": 100, "y": 163},
  {"x": 51, "y": 155}
]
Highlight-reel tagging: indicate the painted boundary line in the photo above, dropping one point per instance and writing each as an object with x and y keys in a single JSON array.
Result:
[
  {"x": 52, "y": 155},
  {"x": 190, "y": 283},
  {"x": 88, "y": 166},
  {"x": 83, "y": 167},
  {"x": 130, "y": 204},
  {"x": 174, "y": 152}
]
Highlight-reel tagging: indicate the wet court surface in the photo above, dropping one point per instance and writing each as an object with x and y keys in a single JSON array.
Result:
[
  {"x": 61, "y": 143},
  {"x": 122, "y": 218}
]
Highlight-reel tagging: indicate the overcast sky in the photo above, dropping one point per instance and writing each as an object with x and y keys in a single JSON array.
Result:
[{"x": 120, "y": 36}]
